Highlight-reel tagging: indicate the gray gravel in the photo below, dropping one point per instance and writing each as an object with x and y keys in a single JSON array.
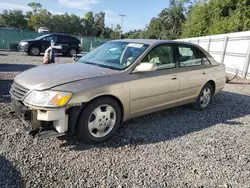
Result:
[{"x": 179, "y": 147}]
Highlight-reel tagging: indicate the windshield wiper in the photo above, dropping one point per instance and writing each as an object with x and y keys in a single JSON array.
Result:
[
  {"x": 100, "y": 65},
  {"x": 89, "y": 63}
]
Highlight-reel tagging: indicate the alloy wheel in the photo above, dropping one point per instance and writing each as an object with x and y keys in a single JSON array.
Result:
[
  {"x": 205, "y": 97},
  {"x": 35, "y": 51},
  {"x": 101, "y": 121}
]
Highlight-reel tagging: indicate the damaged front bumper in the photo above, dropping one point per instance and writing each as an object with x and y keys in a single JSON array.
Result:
[{"x": 43, "y": 123}]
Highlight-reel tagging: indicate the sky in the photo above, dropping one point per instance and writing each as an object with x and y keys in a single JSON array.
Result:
[{"x": 138, "y": 12}]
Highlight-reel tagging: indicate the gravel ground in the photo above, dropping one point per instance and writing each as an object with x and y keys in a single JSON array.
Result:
[{"x": 179, "y": 147}]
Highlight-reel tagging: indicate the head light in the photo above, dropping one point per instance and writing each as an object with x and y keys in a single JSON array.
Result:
[
  {"x": 48, "y": 98},
  {"x": 23, "y": 43}
]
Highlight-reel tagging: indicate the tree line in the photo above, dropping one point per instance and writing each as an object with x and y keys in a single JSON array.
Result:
[
  {"x": 90, "y": 25},
  {"x": 182, "y": 19},
  {"x": 186, "y": 18}
]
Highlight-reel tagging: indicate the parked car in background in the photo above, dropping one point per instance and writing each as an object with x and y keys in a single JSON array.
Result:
[
  {"x": 117, "y": 81},
  {"x": 70, "y": 45},
  {"x": 43, "y": 30}
]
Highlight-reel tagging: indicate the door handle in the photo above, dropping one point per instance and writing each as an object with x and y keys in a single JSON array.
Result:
[
  {"x": 203, "y": 73},
  {"x": 174, "y": 77}
]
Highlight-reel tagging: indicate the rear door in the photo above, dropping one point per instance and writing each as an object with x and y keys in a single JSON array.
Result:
[
  {"x": 64, "y": 42},
  {"x": 193, "y": 73}
]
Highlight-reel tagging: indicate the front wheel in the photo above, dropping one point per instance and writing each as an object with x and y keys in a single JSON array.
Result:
[
  {"x": 205, "y": 97},
  {"x": 99, "y": 120},
  {"x": 72, "y": 52},
  {"x": 34, "y": 50}
]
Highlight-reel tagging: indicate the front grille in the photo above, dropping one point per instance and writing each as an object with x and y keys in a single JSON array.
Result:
[{"x": 18, "y": 92}]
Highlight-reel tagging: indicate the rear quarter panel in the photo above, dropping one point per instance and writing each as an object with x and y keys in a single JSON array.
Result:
[
  {"x": 215, "y": 72},
  {"x": 219, "y": 75}
]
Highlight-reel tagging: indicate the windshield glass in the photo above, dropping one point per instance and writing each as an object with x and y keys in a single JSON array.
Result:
[
  {"x": 114, "y": 55},
  {"x": 39, "y": 38}
]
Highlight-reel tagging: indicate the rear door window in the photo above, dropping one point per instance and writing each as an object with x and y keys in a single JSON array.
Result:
[
  {"x": 189, "y": 57},
  {"x": 65, "y": 39}
]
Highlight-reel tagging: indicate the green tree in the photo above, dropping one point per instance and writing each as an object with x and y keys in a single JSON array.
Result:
[
  {"x": 75, "y": 25},
  {"x": 88, "y": 23},
  {"x": 217, "y": 17},
  {"x": 197, "y": 21},
  {"x": 135, "y": 34},
  {"x": 99, "y": 23},
  {"x": 106, "y": 32},
  {"x": 36, "y": 7},
  {"x": 116, "y": 33},
  {"x": 42, "y": 19},
  {"x": 168, "y": 24},
  {"x": 13, "y": 18},
  {"x": 155, "y": 28}
]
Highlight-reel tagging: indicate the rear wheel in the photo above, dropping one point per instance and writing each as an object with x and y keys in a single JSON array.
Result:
[
  {"x": 205, "y": 97},
  {"x": 34, "y": 50},
  {"x": 99, "y": 120}
]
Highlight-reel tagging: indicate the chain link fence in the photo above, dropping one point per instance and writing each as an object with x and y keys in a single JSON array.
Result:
[{"x": 13, "y": 37}]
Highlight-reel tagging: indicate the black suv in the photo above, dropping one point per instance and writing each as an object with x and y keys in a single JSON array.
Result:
[{"x": 70, "y": 45}]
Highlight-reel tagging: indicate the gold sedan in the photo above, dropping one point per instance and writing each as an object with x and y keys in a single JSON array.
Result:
[{"x": 117, "y": 81}]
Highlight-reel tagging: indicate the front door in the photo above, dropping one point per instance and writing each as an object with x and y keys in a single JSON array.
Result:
[
  {"x": 151, "y": 91},
  {"x": 46, "y": 41}
]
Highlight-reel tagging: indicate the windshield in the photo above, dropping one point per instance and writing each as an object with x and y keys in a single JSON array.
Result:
[
  {"x": 39, "y": 38},
  {"x": 114, "y": 55}
]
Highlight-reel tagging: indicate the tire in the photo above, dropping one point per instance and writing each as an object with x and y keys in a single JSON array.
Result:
[
  {"x": 205, "y": 97},
  {"x": 99, "y": 120},
  {"x": 72, "y": 52},
  {"x": 34, "y": 50}
]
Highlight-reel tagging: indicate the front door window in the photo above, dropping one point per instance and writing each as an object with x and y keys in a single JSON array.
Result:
[{"x": 162, "y": 56}]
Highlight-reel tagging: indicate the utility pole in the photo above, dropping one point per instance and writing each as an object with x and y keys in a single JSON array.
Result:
[{"x": 122, "y": 15}]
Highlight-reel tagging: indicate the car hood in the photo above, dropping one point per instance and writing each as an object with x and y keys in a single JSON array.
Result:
[
  {"x": 48, "y": 76},
  {"x": 28, "y": 40}
]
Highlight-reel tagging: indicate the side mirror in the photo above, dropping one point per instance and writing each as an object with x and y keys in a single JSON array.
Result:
[{"x": 145, "y": 67}]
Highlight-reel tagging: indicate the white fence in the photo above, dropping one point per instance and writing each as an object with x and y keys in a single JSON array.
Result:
[{"x": 232, "y": 49}]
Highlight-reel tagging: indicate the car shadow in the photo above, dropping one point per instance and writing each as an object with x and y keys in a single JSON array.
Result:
[
  {"x": 14, "y": 67},
  {"x": 4, "y": 90},
  {"x": 173, "y": 123},
  {"x": 9, "y": 175}
]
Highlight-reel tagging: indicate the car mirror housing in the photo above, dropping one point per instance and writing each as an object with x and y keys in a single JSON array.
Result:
[{"x": 145, "y": 67}]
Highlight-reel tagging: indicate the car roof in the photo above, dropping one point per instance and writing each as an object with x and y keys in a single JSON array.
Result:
[
  {"x": 155, "y": 41},
  {"x": 61, "y": 34}
]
